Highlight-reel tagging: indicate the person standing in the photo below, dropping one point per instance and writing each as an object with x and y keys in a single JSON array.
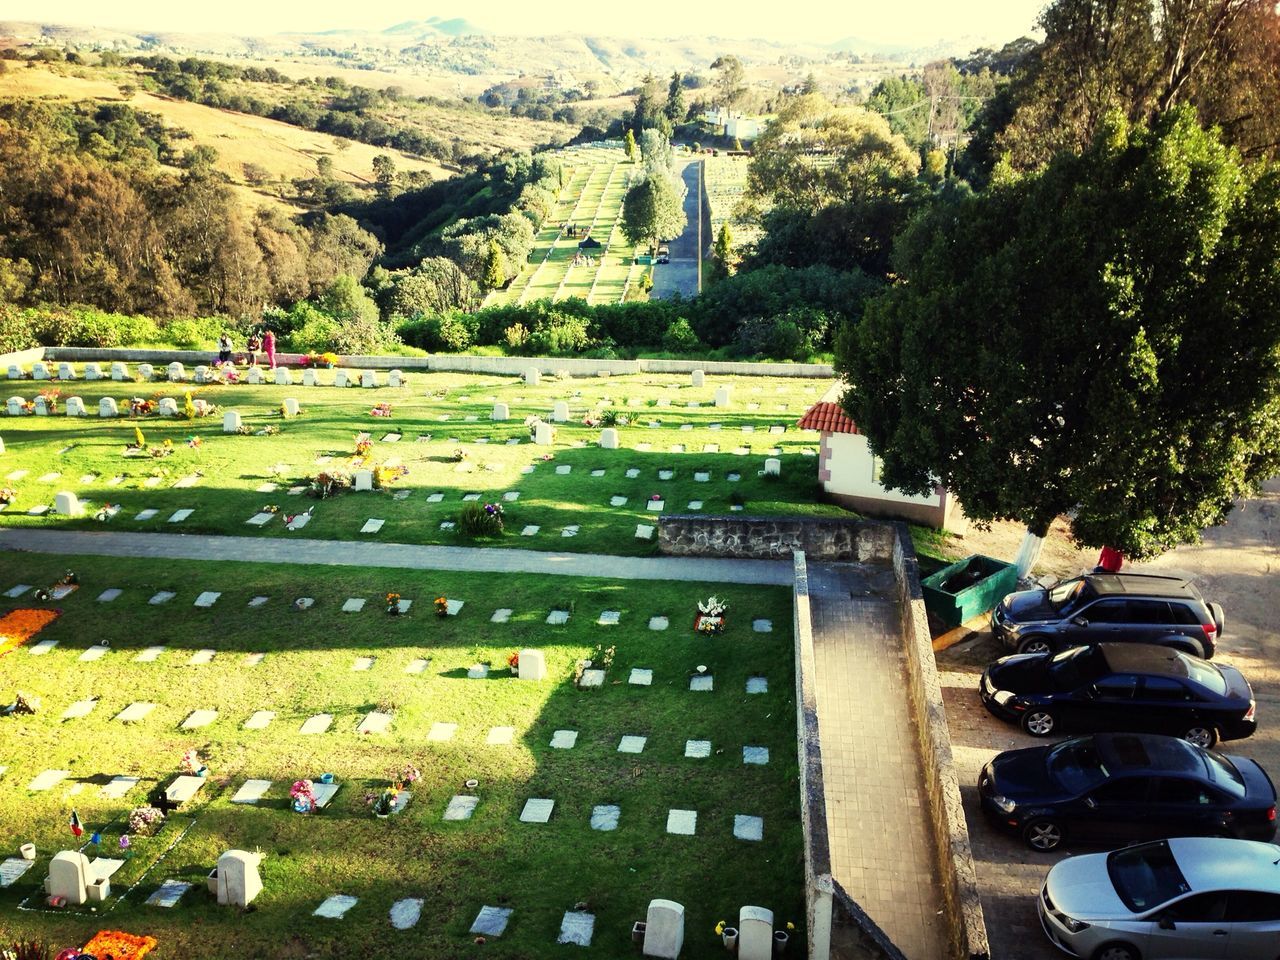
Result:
[
  {"x": 269, "y": 348},
  {"x": 224, "y": 348},
  {"x": 253, "y": 345}
]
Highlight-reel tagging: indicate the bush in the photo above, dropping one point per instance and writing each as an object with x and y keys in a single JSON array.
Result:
[
  {"x": 316, "y": 335},
  {"x": 193, "y": 333},
  {"x": 680, "y": 338},
  {"x": 516, "y": 336},
  {"x": 565, "y": 335},
  {"x": 437, "y": 332},
  {"x": 780, "y": 338},
  {"x": 481, "y": 520}
]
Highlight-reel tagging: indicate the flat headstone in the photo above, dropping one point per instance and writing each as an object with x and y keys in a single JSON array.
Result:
[
  {"x": 260, "y": 519},
  {"x": 435, "y": 498},
  {"x": 470, "y": 497},
  {"x": 564, "y": 739},
  {"x": 417, "y": 666},
  {"x": 501, "y": 615},
  {"x": 511, "y": 496},
  {"x": 17, "y": 475},
  {"x": 564, "y": 468},
  {"x": 697, "y": 749},
  {"x": 694, "y": 505},
  {"x": 199, "y": 718},
  {"x": 180, "y": 515},
  {"x": 251, "y": 791},
  {"x": 372, "y": 526},
  {"x": 500, "y": 736},
  {"x": 96, "y": 652},
  {"x": 570, "y": 531},
  {"x": 62, "y": 590},
  {"x": 537, "y": 810},
  {"x": 755, "y": 756},
  {"x": 576, "y": 927},
  {"x": 299, "y": 521},
  {"x": 267, "y": 487},
  {"x": 184, "y": 788},
  {"x": 633, "y": 472},
  {"x": 447, "y": 524},
  {"x": 530, "y": 530},
  {"x": 557, "y": 617},
  {"x": 641, "y": 677},
  {"x": 118, "y": 787},
  {"x": 597, "y": 473},
  {"x": 592, "y": 677},
  {"x": 757, "y": 685},
  {"x": 655, "y": 506},
  {"x": 150, "y": 654},
  {"x": 440, "y": 732},
  {"x": 666, "y": 474},
  {"x": 14, "y": 592},
  {"x": 631, "y": 744},
  {"x": 404, "y": 914},
  {"x": 461, "y": 807},
  {"x": 762, "y": 626},
  {"x": 324, "y": 792},
  {"x": 317, "y": 724},
  {"x": 617, "y": 501},
  {"x": 48, "y": 780},
  {"x": 169, "y": 893},
  {"x": 748, "y": 828},
  {"x": 106, "y": 596},
  {"x": 49, "y": 477},
  {"x": 41, "y": 647},
  {"x": 134, "y": 712},
  {"x": 374, "y": 722},
  {"x": 644, "y": 531},
  {"x": 259, "y": 601},
  {"x": 252, "y": 659},
  {"x": 12, "y": 869},
  {"x": 207, "y": 599},
  {"x": 608, "y": 618},
  {"x": 682, "y": 822},
  {"x": 304, "y": 603},
  {"x": 605, "y": 816},
  {"x": 81, "y": 708},
  {"x": 335, "y": 907},
  {"x": 477, "y": 671},
  {"x": 147, "y": 514},
  {"x": 702, "y": 477},
  {"x": 260, "y": 720},
  {"x": 201, "y": 657},
  {"x": 353, "y": 605},
  {"x": 38, "y": 511},
  {"x": 702, "y": 683},
  {"x": 89, "y": 478},
  {"x": 362, "y": 664},
  {"x": 190, "y": 480},
  {"x": 491, "y": 921},
  {"x": 391, "y": 438}
]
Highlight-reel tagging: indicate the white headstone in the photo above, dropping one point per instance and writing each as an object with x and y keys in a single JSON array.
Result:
[
  {"x": 69, "y": 874},
  {"x": 202, "y": 374},
  {"x": 1, "y": 445},
  {"x": 368, "y": 378},
  {"x": 533, "y": 665},
  {"x": 609, "y": 439},
  {"x": 560, "y": 413},
  {"x": 253, "y": 375},
  {"x": 308, "y": 378},
  {"x": 230, "y": 422},
  {"x": 395, "y": 378},
  {"x": 238, "y": 879},
  {"x": 15, "y": 405},
  {"x": 500, "y": 411},
  {"x": 532, "y": 376},
  {"x": 119, "y": 371},
  {"x": 542, "y": 435},
  {"x": 168, "y": 407},
  {"x": 15, "y": 372},
  {"x": 772, "y": 467},
  {"x": 66, "y": 503},
  {"x": 664, "y": 929},
  {"x": 75, "y": 407},
  {"x": 92, "y": 371},
  {"x": 284, "y": 377},
  {"x": 146, "y": 371},
  {"x": 291, "y": 407},
  {"x": 698, "y": 378},
  {"x": 42, "y": 406},
  {"x": 364, "y": 480},
  {"x": 39, "y": 370},
  {"x": 755, "y": 934},
  {"x": 722, "y": 396},
  {"x": 177, "y": 372},
  {"x": 341, "y": 379},
  {"x": 107, "y": 408},
  {"x": 66, "y": 371}
]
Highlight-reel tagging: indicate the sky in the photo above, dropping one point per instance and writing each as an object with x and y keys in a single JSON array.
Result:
[{"x": 912, "y": 22}]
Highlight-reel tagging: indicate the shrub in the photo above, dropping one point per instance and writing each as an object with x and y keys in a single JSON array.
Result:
[
  {"x": 516, "y": 336},
  {"x": 481, "y": 520},
  {"x": 193, "y": 333},
  {"x": 680, "y": 338},
  {"x": 449, "y": 331},
  {"x": 316, "y": 335},
  {"x": 565, "y": 335}
]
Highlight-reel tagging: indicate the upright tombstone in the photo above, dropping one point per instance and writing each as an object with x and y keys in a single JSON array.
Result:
[
  {"x": 1, "y": 444},
  {"x": 75, "y": 407},
  {"x": 43, "y": 406},
  {"x": 146, "y": 371},
  {"x": 609, "y": 439},
  {"x": 283, "y": 377},
  {"x": 560, "y": 413},
  {"x": 755, "y": 934},
  {"x": 291, "y": 407},
  {"x": 395, "y": 379},
  {"x": 532, "y": 665},
  {"x": 368, "y": 379},
  {"x": 15, "y": 372},
  {"x": 177, "y": 372},
  {"x": 66, "y": 371},
  {"x": 119, "y": 370},
  {"x": 532, "y": 376},
  {"x": 92, "y": 371},
  {"x": 67, "y": 504},
  {"x": 167, "y": 407},
  {"x": 238, "y": 879},
  {"x": 253, "y": 375},
  {"x": 698, "y": 378},
  {"x": 664, "y": 929},
  {"x": 308, "y": 377},
  {"x": 543, "y": 435},
  {"x": 773, "y": 467},
  {"x": 501, "y": 411},
  {"x": 107, "y": 408},
  {"x": 364, "y": 480},
  {"x": 201, "y": 374},
  {"x": 39, "y": 370},
  {"x": 341, "y": 379},
  {"x": 231, "y": 422},
  {"x": 69, "y": 875},
  {"x": 16, "y": 405},
  {"x": 722, "y": 396}
]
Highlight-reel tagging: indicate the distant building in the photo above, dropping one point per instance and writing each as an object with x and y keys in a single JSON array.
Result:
[
  {"x": 850, "y": 474},
  {"x": 735, "y": 124}
]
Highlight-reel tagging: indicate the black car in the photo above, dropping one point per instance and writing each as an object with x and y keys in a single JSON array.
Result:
[
  {"x": 1122, "y": 788},
  {"x": 1133, "y": 687},
  {"x": 1106, "y": 607}
]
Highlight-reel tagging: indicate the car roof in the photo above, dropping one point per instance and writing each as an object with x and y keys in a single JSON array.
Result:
[
  {"x": 1142, "y": 584},
  {"x": 1148, "y": 753},
  {"x": 1145, "y": 658},
  {"x": 1221, "y": 863}
]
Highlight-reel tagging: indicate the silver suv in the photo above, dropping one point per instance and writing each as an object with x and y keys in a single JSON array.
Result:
[{"x": 1109, "y": 607}]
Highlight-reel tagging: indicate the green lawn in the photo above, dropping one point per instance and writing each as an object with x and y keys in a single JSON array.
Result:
[
  {"x": 539, "y": 870},
  {"x": 233, "y": 467}
]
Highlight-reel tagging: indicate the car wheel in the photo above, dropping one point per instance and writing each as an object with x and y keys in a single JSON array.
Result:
[
  {"x": 1117, "y": 951},
  {"x": 1043, "y": 835},
  {"x": 1201, "y": 735},
  {"x": 1035, "y": 645},
  {"x": 1039, "y": 723}
]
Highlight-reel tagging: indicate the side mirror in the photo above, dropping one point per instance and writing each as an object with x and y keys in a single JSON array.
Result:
[
  {"x": 1080, "y": 621},
  {"x": 1167, "y": 924}
]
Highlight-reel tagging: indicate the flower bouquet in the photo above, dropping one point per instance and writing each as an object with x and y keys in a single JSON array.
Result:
[
  {"x": 381, "y": 410},
  {"x": 393, "y": 604},
  {"x": 303, "y": 795},
  {"x": 710, "y": 618},
  {"x": 145, "y": 821},
  {"x": 191, "y": 764},
  {"x": 442, "y": 606}
]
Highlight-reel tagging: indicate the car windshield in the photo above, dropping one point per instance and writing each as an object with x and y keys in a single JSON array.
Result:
[
  {"x": 1069, "y": 594},
  {"x": 1076, "y": 667},
  {"x": 1146, "y": 876},
  {"x": 1076, "y": 766},
  {"x": 1202, "y": 673},
  {"x": 1224, "y": 773}
]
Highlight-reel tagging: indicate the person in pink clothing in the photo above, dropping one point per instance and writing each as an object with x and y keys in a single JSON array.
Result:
[{"x": 269, "y": 348}]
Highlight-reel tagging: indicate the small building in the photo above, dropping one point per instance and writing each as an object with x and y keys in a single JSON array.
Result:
[{"x": 850, "y": 473}]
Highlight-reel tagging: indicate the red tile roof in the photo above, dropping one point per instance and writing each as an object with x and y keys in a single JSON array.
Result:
[{"x": 827, "y": 418}]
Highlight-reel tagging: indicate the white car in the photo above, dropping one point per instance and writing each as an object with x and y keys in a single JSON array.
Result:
[{"x": 1194, "y": 898}]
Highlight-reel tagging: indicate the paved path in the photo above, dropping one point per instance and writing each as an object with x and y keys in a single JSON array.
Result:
[
  {"x": 681, "y": 274},
  {"x": 882, "y": 851},
  {"x": 172, "y": 546}
]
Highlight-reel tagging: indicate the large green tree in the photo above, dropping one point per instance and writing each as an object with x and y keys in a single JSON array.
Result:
[
  {"x": 652, "y": 211},
  {"x": 1100, "y": 339}
]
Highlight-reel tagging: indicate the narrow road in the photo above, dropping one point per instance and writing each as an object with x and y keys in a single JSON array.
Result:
[{"x": 680, "y": 276}]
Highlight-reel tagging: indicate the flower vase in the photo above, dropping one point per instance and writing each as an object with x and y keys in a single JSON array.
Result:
[
  {"x": 202, "y": 772},
  {"x": 730, "y": 937}
]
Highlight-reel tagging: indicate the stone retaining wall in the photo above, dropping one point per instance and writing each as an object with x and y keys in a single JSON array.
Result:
[
  {"x": 774, "y": 538},
  {"x": 951, "y": 833}
]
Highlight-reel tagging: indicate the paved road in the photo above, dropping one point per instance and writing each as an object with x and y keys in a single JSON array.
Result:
[
  {"x": 172, "y": 546},
  {"x": 681, "y": 274}
]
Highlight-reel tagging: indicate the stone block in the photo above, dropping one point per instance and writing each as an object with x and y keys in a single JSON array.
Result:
[
  {"x": 40, "y": 370},
  {"x": 238, "y": 879},
  {"x": 722, "y": 396},
  {"x": 253, "y": 375},
  {"x": 177, "y": 372},
  {"x": 67, "y": 504},
  {"x": 395, "y": 378},
  {"x": 119, "y": 371},
  {"x": 560, "y": 412},
  {"x": 533, "y": 665},
  {"x": 755, "y": 933},
  {"x": 308, "y": 378},
  {"x": 15, "y": 406},
  {"x": 609, "y": 439},
  {"x": 500, "y": 412},
  {"x": 284, "y": 377},
  {"x": 364, "y": 480},
  {"x": 542, "y": 434},
  {"x": 664, "y": 929},
  {"x": 698, "y": 378},
  {"x": 66, "y": 371},
  {"x": 291, "y": 406},
  {"x": 532, "y": 376},
  {"x": 773, "y": 467},
  {"x": 368, "y": 379},
  {"x": 168, "y": 407},
  {"x": 146, "y": 371},
  {"x": 231, "y": 422},
  {"x": 342, "y": 379},
  {"x": 75, "y": 407}
]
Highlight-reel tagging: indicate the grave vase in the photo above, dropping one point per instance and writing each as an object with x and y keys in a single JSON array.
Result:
[
  {"x": 780, "y": 940},
  {"x": 730, "y": 937}
]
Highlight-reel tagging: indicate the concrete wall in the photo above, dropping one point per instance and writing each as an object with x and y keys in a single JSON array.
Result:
[
  {"x": 23, "y": 358},
  {"x": 774, "y": 538},
  {"x": 960, "y": 879}
]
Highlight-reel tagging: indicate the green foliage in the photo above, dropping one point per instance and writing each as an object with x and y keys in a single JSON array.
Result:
[
  {"x": 629, "y": 144},
  {"x": 1099, "y": 339},
  {"x": 495, "y": 274},
  {"x": 477, "y": 520},
  {"x": 448, "y": 332},
  {"x": 680, "y": 338},
  {"x": 653, "y": 211},
  {"x": 564, "y": 336},
  {"x": 193, "y": 333}
]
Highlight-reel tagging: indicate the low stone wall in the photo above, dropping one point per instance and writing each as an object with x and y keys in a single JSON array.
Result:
[
  {"x": 22, "y": 358},
  {"x": 774, "y": 538},
  {"x": 951, "y": 833}
]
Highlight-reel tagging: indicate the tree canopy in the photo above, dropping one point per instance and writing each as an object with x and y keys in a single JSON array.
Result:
[
  {"x": 652, "y": 211},
  {"x": 1100, "y": 339}
]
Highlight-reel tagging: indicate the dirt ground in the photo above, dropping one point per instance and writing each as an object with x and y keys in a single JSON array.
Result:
[{"x": 1237, "y": 565}]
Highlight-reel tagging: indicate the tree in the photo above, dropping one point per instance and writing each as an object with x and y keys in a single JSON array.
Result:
[
  {"x": 436, "y": 285},
  {"x": 722, "y": 251},
  {"x": 655, "y": 150},
  {"x": 495, "y": 274},
  {"x": 730, "y": 81},
  {"x": 653, "y": 211},
  {"x": 324, "y": 167},
  {"x": 384, "y": 173},
  {"x": 1099, "y": 339},
  {"x": 629, "y": 144},
  {"x": 676, "y": 109},
  {"x": 649, "y": 105}
]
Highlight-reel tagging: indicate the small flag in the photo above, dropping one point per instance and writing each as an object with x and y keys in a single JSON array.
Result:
[
  {"x": 76, "y": 827},
  {"x": 95, "y": 837}
]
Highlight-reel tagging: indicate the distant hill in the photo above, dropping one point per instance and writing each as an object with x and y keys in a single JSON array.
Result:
[{"x": 434, "y": 26}]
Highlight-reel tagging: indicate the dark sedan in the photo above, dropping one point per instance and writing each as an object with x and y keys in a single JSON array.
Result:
[
  {"x": 1122, "y": 788},
  {"x": 1132, "y": 687}
]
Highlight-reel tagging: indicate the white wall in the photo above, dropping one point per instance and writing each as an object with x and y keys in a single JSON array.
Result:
[{"x": 848, "y": 468}]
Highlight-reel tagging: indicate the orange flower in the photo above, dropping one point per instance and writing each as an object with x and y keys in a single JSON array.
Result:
[
  {"x": 19, "y": 626},
  {"x": 121, "y": 946}
]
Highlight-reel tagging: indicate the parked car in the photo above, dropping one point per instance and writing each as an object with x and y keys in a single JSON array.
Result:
[
  {"x": 1119, "y": 687},
  {"x": 664, "y": 255},
  {"x": 1106, "y": 607},
  {"x": 1124, "y": 787},
  {"x": 1191, "y": 898}
]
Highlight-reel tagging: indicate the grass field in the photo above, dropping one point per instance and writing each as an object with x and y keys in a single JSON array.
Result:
[
  {"x": 726, "y": 184},
  {"x": 596, "y": 181},
  {"x": 226, "y": 471},
  {"x": 539, "y": 870}
]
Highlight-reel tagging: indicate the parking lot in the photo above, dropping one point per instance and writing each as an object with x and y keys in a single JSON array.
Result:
[{"x": 1238, "y": 565}]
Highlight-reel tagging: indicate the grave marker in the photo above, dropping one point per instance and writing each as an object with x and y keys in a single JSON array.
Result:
[
  {"x": 251, "y": 791},
  {"x": 335, "y": 907},
  {"x": 537, "y": 810},
  {"x": 755, "y": 931},
  {"x": 682, "y": 822},
  {"x": 461, "y": 807},
  {"x": 564, "y": 739},
  {"x": 664, "y": 927},
  {"x": 317, "y": 724},
  {"x": 576, "y": 927},
  {"x": 491, "y": 921}
]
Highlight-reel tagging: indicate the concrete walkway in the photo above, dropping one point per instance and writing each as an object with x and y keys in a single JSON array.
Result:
[
  {"x": 882, "y": 851},
  {"x": 171, "y": 546}
]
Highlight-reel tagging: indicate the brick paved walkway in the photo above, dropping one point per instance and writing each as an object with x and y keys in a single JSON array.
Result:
[{"x": 882, "y": 852}]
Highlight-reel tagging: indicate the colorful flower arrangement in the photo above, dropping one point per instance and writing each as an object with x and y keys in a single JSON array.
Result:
[
  {"x": 393, "y": 604},
  {"x": 513, "y": 661},
  {"x": 384, "y": 803},
  {"x": 119, "y": 946},
  {"x": 192, "y": 764},
  {"x": 284, "y": 411},
  {"x": 19, "y": 626},
  {"x": 710, "y": 618},
  {"x": 303, "y": 795},
  {"x": 8, "y": 495},
  {"x": 381, "y": 410},
  {"x": 145, "y": 821},
  {"x": 195, "y": 443},
  {"x": 106, "y": 512},
  {"x": 329, "y": 360},
  {"x": 442, "y": 606},
  {"x": 458, "y": 455},
  {"x": 363, "y": 447},
  {"x": 138, "y": 407},
  {"x": 325, "y": 485},
  {"x": 590, "y": 421},
  {"x": 384, "y": 476}
]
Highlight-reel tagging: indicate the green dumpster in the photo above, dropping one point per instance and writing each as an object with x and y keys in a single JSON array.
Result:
[{"x": 967, "y": 588}]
